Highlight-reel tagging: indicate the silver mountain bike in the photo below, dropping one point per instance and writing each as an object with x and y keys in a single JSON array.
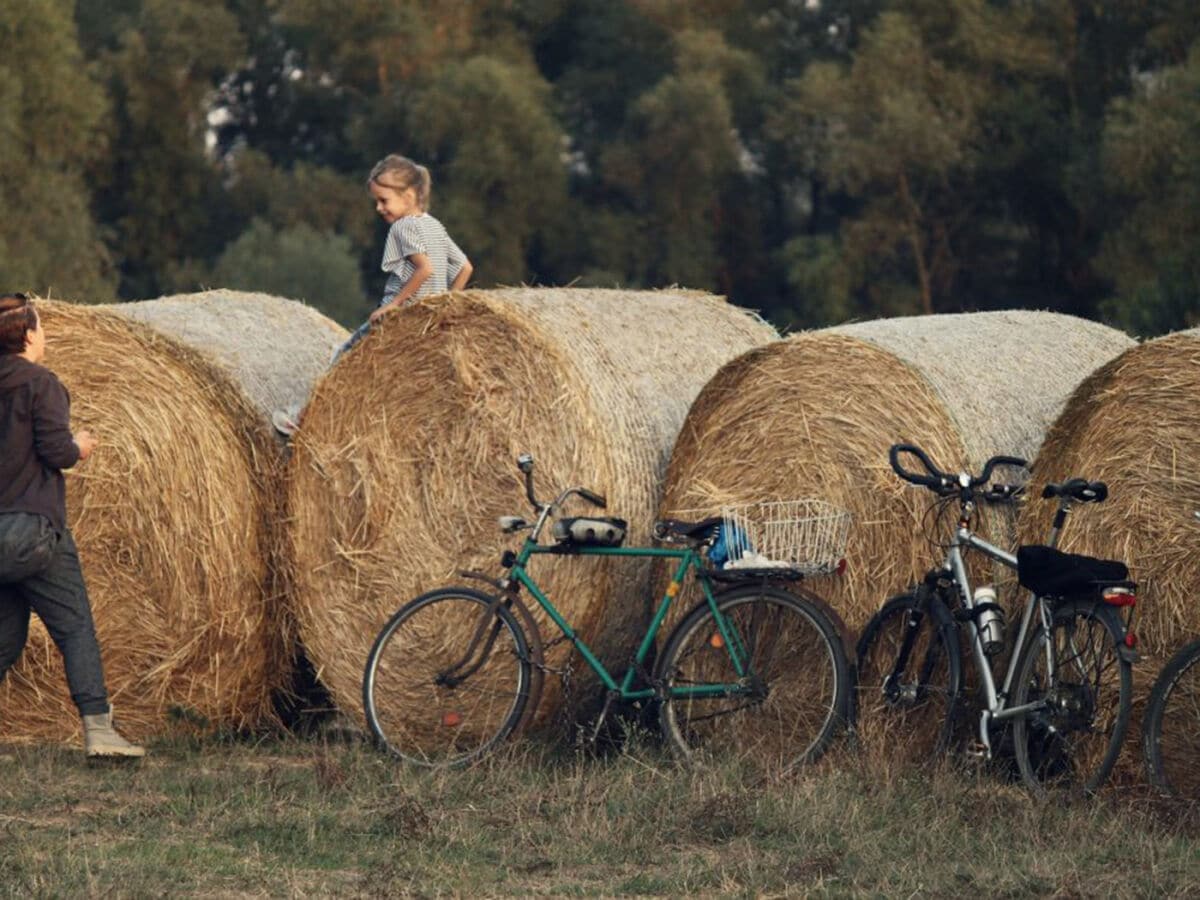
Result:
[{"x": 1066, "y": 691}]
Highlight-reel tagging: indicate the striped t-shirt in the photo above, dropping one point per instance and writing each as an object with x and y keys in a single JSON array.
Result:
[{"x": 419, "y": 234}]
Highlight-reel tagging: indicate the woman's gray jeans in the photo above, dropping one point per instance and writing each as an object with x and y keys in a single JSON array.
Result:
[{"x": 40, "y": 572}]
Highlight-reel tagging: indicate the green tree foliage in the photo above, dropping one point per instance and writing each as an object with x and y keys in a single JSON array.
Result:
[
  {"x": 163, "y": 197},
  {"x": 495, "y": 150},
  {"x": 51, "y": 117},
  {"x": 1152, "y": 166},
  {"x": 674, "y": 157},
  {"x": 817, "y": 159},
  {"x": 300, "y": 263},
  {"x": 901, "y": 131}
]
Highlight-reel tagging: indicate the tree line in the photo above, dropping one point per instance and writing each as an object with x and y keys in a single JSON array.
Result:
[{"x": 819, "y": 160}]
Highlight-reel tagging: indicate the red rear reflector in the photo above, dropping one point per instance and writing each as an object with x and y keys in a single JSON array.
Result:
[
  {"x": 716, "y": 641},
  {"x": 841, "y": 566},
  {"x": 452, "y": 719},
  {"x": 1131, "y": 640},
  {"x": 1120, "y": 598}
]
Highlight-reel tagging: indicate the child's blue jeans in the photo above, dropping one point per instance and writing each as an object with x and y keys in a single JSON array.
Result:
[{"x": 359, "y": 333}]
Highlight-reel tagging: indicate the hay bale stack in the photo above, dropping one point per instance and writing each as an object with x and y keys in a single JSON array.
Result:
[
  {"x": 1135, "y": 424},
  {"x": 169, "y": 521},
  {"x": 272, "y": 348},
  {"x": 814, "y": 416},
  {"x": 406, "y": 453}
]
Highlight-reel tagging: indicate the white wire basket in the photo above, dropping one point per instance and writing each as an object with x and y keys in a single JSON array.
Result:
[{"x": 805, "y": 535}]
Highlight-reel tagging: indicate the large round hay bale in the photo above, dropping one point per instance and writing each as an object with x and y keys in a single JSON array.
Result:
[
  {"x": 1135, "y": 424},
  {"x": 169, "y": 519},
  {"x": 405, "y": 455},
  {"x": 814, "y": 416},
  {"x": 272, "y": 348}
]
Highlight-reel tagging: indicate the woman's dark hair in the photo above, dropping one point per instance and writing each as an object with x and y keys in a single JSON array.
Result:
[{"x": 17, "y": 316}]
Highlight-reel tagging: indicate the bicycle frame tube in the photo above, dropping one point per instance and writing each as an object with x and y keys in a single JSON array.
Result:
[
  {"x": 688, "y": 559},
  {"x": 996, "y": 704}
]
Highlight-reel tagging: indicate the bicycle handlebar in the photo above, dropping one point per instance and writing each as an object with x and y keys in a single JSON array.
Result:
[
  {"x": 944, "y": 483},
  {"x": 525, "y": 464}
]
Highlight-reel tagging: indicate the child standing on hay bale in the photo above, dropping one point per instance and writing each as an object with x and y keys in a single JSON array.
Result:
[
  {"x": 39, "y": 565},
  {"x": 420, "y": 257}
]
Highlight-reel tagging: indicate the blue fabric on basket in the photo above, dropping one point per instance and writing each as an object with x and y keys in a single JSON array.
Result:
[{"x": 731, "y": 543}]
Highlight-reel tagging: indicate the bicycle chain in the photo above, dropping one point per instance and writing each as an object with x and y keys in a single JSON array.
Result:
[{"x": 566, "y": 677}]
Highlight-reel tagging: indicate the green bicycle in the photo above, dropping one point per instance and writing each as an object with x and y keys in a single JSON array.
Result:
[{"x": 757, "y": 667}]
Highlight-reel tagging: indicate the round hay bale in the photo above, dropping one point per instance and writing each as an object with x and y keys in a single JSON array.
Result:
[
  {"x": 272, "y": 348},
  {"x": 406, "y": 453},
  {"x": 814, "y": 416},
  {"x": 1135, "y": 425},
  {"x": 169, "y": 519}
]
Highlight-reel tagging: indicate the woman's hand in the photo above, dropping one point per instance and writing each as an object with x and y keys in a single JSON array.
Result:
[{"x": 86, "y": 443}]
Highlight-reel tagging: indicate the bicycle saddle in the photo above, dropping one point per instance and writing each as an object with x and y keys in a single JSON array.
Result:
[
  {"x": 678, "y": 528},
  {"x": 1052, "y": 573}
]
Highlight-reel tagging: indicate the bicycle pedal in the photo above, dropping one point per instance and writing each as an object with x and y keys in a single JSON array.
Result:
[{"x": 977, "y": 750}]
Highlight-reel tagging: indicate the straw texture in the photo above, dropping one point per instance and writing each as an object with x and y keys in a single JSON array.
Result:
[
  {"x": 168, "y": 516},
  {"x": 405, "y": 455},
  {"x": 1134, "y": 424},
  {"x": 272, "y": 348},
  {"x": 814, "y": 416}
]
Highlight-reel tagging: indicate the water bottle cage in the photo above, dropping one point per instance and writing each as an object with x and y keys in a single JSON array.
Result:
[{"x": 976, "y": 611}]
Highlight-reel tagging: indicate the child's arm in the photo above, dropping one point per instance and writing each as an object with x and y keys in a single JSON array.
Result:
[
  {"x": 463, "y": 276},
  {"x": 422, "y": 269}
]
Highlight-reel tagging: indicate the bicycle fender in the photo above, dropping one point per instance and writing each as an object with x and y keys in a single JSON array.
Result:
[{"x": 533, "y": 635}]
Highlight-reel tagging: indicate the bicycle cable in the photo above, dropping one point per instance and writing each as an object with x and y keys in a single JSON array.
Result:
[{"x": 932, "y": 531}]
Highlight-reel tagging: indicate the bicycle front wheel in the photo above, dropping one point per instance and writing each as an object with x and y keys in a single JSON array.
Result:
[
  {"x": 1171, "y": 728},
  {"x": 786, "y": 703},
  {"x": 1082, "y": 686},
  {"x": 447, "y": 679},
  {"x": 908, "y": 679}
]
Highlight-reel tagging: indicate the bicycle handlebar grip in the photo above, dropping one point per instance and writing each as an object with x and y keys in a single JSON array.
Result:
[
  {"x": 935, "y": 479},
  {"x": 525, "y": 464},
  {"x": 593, "y": 498},
  {"x": 1079, "y": 488}
]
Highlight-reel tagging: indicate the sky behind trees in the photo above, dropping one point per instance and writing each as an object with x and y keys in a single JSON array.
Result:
[{"x": 816, "y": 161}]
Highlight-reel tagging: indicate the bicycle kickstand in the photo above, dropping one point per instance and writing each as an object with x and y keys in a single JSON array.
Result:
[{"x": 983, "y": 748}]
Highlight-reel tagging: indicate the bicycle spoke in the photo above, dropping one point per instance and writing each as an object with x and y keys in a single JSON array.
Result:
[
  {"x": 785, "y": 703},
  {"x": 448, "y": 677},
  {"x": 1073, "y": 739},
  {"x": 1173, "y": 726}
]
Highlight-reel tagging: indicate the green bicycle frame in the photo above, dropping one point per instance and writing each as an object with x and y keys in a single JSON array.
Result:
[{"x": 688, "y": 559}]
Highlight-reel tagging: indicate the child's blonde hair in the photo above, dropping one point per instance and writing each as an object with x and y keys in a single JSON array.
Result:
[{"x": 399, "y": 172}]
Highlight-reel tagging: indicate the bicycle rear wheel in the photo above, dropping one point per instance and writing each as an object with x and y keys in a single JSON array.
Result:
[
  {"x": 447, "y": 679},
  {"x": 787, "y": 706},
  {"x": 908, "y": 680},
  {"x": 1171, "y": 728},
  {"x": 1073, "y": 741}
]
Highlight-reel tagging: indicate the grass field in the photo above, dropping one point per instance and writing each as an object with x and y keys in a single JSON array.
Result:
[{"x": 290, "y": 817}]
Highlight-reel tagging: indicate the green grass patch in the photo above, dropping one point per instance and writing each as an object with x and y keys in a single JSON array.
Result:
[{"x": 291, "y": 817}]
